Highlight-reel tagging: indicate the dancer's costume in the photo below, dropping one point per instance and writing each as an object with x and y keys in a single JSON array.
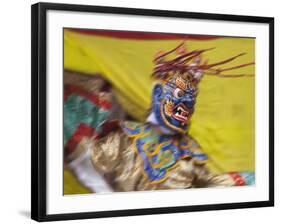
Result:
[{"x": 116, "y": 155}]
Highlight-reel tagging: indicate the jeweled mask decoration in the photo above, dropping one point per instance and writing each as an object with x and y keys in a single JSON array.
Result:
[{"x": 176, "y": 88}]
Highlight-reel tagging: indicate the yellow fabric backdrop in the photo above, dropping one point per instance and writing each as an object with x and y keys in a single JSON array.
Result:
[{"x": 224, "y": 118}]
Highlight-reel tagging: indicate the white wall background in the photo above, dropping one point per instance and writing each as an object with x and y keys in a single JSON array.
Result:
[{"x": 15, "y": 110}]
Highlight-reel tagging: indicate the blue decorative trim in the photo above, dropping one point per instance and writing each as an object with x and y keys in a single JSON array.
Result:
[{"x": 159, "y": 152}]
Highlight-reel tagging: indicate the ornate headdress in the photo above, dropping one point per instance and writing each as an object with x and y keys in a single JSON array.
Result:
[
  {"x": 188, "y": 67},
  {"x": 179, "y": 76}
]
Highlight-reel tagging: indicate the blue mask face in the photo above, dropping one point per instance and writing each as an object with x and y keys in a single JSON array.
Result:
[{"x": 173, "y": 106}]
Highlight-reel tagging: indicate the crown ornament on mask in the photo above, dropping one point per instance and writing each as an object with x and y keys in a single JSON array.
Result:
[
  {"x": 180, "y": 82},
  {"x": 188, "y": 68}
]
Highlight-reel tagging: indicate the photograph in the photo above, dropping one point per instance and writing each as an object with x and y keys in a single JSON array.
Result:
[
  {"x": 139, "y": 112},
  {"x": 144, "y": 111},
  {"x": 147, "y": 111}
]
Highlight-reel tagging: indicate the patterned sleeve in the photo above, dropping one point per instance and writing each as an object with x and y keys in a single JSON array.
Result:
[
  {"x": 204, "y": 178},
  {"x": 106, "y": 152}
]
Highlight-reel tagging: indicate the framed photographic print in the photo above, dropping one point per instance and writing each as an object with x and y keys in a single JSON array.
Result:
[{"x": 139, "y": 111}]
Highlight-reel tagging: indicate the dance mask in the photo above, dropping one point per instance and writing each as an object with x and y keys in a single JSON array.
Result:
[{"x": 176, "y": 84}]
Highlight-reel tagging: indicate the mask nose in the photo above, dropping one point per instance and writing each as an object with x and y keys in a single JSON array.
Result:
[{"x": 188, "y": 100}]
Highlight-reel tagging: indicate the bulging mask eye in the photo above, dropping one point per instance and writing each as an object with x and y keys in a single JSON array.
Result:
[{"x": 178, "y": 93}]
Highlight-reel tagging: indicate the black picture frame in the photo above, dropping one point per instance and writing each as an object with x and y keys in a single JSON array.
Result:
[{"x": 39, "y": 107}]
